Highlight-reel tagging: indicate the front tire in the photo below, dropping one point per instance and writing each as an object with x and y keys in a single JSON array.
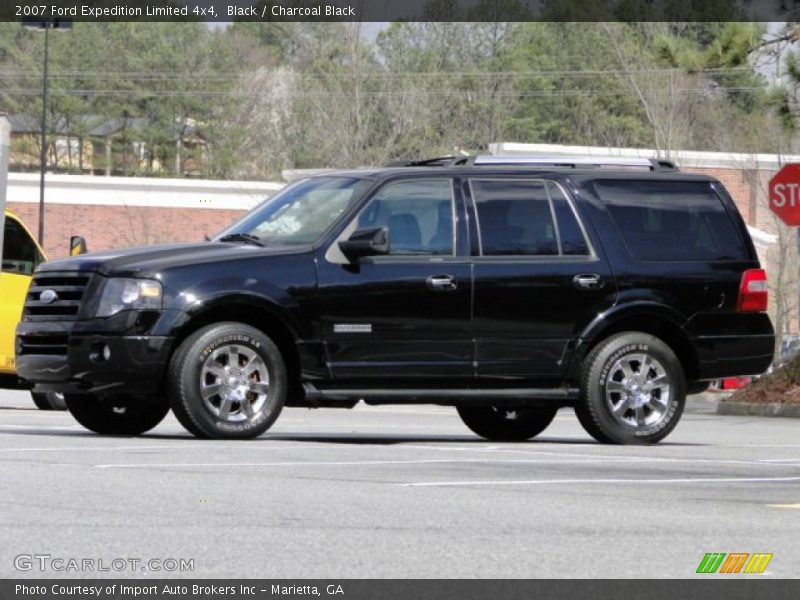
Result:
[
  {"x": 118, "y": 414},
  {"x": 227, "y": 381},
  {"x": 507, "y": 425},
  {"x": 633, "y": 390}
]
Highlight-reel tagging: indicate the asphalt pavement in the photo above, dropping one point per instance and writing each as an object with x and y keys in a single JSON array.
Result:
[{"x": 395, "y": 491}]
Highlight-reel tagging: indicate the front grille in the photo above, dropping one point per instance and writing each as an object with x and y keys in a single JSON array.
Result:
[
  {"x": 68, "y": 289},
  {"x": 54, "y": 344}
]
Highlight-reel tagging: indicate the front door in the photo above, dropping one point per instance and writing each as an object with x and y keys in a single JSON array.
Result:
[
  {"x": 404, "y": 315},
  {"x": 538, "y": 280}
]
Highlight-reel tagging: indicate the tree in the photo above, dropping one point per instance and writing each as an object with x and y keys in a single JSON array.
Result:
[{"x": 151, "y": 83}]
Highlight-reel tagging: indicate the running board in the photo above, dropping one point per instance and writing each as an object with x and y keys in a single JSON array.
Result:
[{"x": 321, "y": 397}]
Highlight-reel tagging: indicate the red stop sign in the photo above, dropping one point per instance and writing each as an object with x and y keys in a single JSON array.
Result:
[{"x": 784, "y": 194}]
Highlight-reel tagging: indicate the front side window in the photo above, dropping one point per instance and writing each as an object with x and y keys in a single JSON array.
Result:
[
  {"x": 20, "y": 254},
  {"x": 671, "y": 220},
  {"x": 418, "y": 215},
  {"x": 301, "y": 213},
  {"x": 526, "y": 218}
]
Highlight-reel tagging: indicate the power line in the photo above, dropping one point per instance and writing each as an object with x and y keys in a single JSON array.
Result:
[
  {"x": 449, "y": 93},
  {"x": 171, "y": 75}
]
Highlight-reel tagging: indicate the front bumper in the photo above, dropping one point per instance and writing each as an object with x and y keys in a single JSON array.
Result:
[{"x": 53, "y": 358}]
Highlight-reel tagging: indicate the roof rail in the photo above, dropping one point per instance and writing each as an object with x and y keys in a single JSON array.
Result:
[
  {"x": 439, "y": 161},
  {"x": 577, "y": 162}
]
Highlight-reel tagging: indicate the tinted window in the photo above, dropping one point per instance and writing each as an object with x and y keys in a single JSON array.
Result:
[
  {"x": 671, "y": 220},
  {"x": 516, "y": 218},
  {"x": 573, "y": 242},
  {"x": 418, "y": 214},
  {"x": 20, "y": 254}
]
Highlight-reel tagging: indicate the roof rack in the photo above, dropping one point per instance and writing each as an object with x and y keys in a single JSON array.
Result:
[
  {"x": 439, "y": 161},
  {"x": 578, "y": 162}
]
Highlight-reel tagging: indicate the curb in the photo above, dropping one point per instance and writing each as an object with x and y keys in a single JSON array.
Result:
[{"x": 766, "y": 409}]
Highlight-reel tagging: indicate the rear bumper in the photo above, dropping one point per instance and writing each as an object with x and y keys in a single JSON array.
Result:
[
  {"x": 745, "y": 363},
  {"x": 135, "y": 364},
  {"x": 746, "y": 348}
]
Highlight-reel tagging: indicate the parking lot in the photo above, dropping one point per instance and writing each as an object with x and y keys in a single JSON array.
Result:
[{"x": 398, "y": 492}]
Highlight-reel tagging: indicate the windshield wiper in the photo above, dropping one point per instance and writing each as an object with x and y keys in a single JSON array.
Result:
[{"x": 247, "y": 238}]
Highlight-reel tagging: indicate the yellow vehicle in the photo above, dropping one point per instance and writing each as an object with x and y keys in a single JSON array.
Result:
[{"x": 21, "y": 255}]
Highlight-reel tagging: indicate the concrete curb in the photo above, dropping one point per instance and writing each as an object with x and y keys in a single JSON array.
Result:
[{"x": 766, "y": 409}]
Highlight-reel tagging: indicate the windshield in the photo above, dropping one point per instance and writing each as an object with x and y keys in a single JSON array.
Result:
[{"x": 299, "y": 214}]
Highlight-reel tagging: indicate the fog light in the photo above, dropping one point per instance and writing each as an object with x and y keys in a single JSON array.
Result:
[{"x": 99, "y": 352}]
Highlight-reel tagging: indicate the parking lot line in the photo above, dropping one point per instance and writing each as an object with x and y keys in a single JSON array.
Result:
[
  {"x": 789, "y": 462},
  {"x": 44, "y": 427},
  {"x": 346, "y": 463},
  {"x": 605, "y": 481},
  {"x": 179, "y": 446},
  {"x": 797, "y": 506}
]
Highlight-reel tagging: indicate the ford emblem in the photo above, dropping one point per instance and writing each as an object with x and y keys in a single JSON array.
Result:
[{"x": 48, "y": 296}]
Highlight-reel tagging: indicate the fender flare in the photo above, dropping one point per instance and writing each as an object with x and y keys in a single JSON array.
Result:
[{"x": 605, "y": 323}]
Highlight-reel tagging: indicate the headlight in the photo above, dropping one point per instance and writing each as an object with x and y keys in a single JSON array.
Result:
[{"x": 129, "y": 294}]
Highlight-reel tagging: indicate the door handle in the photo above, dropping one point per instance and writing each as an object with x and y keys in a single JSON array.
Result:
[
  {"x": 588, "y": 281},
  {"x": 441, "y": 283}
]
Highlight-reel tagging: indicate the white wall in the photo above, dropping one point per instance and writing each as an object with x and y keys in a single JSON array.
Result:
[{"x": 140, "y": 191}]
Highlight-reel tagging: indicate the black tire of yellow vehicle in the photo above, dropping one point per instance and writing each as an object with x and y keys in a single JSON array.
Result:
[
  {"x": 49, "y": 401},
  {"x": 503, "y": 425},
  {"x": 117, "y": 415},
  {"x": 594, "y": 410},
  {"x": 203, "y": 416}
]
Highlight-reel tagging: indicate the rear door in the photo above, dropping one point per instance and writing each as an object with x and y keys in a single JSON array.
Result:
[
  {"x": 538, "y": 279},
  {"x": 20, "y": 257}
]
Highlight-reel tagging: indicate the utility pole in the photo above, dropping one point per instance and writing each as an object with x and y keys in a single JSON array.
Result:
[
  {"x": 43, "y": 153},
  {"x": 46, "y": 25}
]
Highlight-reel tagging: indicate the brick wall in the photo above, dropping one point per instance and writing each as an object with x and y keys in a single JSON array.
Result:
[{"x": 107, "y": 227}]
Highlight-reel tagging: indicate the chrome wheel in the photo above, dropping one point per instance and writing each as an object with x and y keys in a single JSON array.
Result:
[
  {"x": 637, "y": 390},
  {"x": 234, "y": 383}
]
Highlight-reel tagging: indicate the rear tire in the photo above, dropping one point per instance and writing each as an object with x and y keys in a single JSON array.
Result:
[
  {"x": 507, "y": 425},
  {"x": 227, "y": 381},
  {"x": 118, "y": 414},
  {"x": 633, "y": 390},
  {"x": 49, "y": 401}
]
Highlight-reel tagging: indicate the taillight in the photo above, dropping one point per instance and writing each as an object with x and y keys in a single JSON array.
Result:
[{"x": 753, "y": 291}]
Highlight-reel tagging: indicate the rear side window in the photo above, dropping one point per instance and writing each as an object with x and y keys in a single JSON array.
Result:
[
  {"x": 671, "y": 220},
  {"x": 525, "y": 218},
  {"x": 573, "y": 242}
]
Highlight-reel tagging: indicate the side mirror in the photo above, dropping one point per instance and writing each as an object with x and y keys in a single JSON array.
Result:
[
  {"x": 77, "y": 245},
  {"x": 370, "y": 241}
]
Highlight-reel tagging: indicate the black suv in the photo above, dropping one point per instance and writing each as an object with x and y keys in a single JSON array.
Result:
[{"x": 506, "y": 287}]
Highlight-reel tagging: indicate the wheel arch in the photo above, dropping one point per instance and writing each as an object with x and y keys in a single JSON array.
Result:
[
  {"x": 258, "y": 314},
  {"x": 654, "y": 319}
]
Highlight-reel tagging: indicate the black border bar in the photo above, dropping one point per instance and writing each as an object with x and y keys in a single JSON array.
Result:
[
  {"x": 703, "y": 587},
  {"x": 408, "y": 10}
]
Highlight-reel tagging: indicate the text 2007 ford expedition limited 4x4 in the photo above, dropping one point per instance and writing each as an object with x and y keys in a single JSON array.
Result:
[{"x": 506, "y": 287}]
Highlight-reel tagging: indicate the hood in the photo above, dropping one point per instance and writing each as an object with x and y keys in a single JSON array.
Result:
[{"x": 147, "y": 261}]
